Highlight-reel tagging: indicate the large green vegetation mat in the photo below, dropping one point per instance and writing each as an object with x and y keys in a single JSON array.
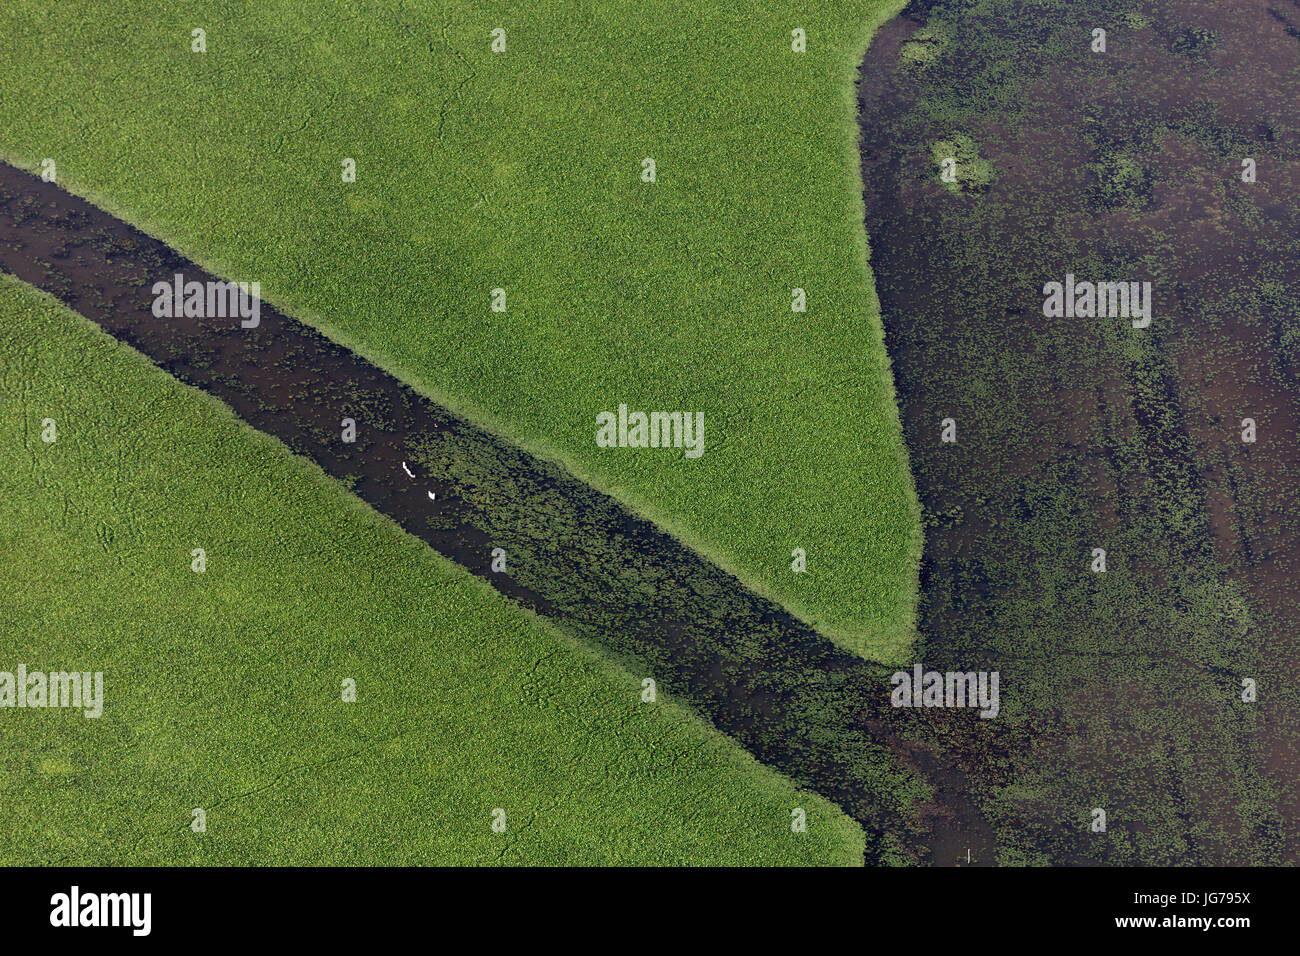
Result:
[
  {"x": 223, "y": 690},
  {"x": 522, "y": 171}
]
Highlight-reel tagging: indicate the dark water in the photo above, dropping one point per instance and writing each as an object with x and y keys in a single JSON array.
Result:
[{"x": 1121, "y": 690}]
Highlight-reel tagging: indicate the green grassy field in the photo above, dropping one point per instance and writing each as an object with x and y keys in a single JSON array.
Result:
[
  {"x": 522, "y": 171},
  {"x": 222, "y": 690}
]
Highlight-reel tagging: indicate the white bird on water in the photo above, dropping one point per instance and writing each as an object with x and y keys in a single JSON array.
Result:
[
  {"x": 432, "y": 496},
  {"x": 409, "y": 473}
]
